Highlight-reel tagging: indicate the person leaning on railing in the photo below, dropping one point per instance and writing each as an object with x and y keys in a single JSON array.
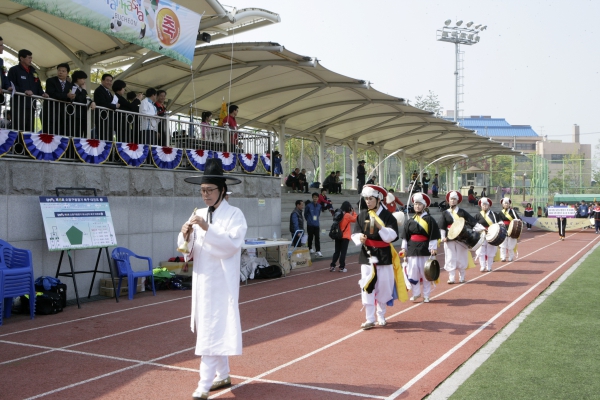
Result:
[
  {"x": 231, "y": 122},
  {"x": 4, "y": 82},
  {"x": 79, "y": 126},
  {"x": 56, "y": 119},
  {"x": 149, "y": 126},
  {"x": 103, "y": 97},
  {"x": 26, "y": 80},
  {"x": 124, "y": 120}
]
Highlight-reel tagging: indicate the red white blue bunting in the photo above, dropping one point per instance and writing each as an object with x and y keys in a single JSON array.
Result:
[
  {"x": 92, "y": 151},
  {"x": 266, "y": 161},
  {"x": 166, "y": 157},
  {"x": 44, "y": 146},
  {"x": 248, "y": 162},
  {"x": 229, "y": 160},
  {"x": 198, "y": 158},
  {"x": 132, "y": 153},
  {"x": 7, "y": 140}
]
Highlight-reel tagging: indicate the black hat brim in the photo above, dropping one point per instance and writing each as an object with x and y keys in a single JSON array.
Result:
[{"x": 198, "y": 180}]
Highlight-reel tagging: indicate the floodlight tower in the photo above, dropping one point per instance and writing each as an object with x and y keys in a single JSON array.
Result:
[{"x": 458, "y": 34}]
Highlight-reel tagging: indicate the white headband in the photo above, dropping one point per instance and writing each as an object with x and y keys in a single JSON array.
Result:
[
  {"x": 506, "y": 200},
  {"x": 453, "y": 195},
  {"x": 485, "y": 201}
]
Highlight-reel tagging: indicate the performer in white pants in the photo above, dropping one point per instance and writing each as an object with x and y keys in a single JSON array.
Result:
[
  {"x": 419, "y": 241},
  {"x": 457, "y": 256},
  {"x": 374, "y": 230},
  {"x": 486, "y": 218},
  {"x": 507, "y": 248},
  {"x": 214, "y": 235}
]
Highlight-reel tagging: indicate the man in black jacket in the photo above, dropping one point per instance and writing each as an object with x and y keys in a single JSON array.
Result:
[
  {"x": 103, "y": 119},
  {"x": 375, "y": 229},
  {"x": 4, "y": 83},
  {"x": 361, "y": 174},
  {"x": 297, "y": 222},
  {"x": 59, "y": 88},
  {"x": 27, "y": 82}
]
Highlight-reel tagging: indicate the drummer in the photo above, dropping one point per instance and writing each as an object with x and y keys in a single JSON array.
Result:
[
  {"x": 507, "y": 215},
  {"x": 419, "y": 241},
  {"x": 486, "y": 217},
  {"x": 457, "y": 254}
]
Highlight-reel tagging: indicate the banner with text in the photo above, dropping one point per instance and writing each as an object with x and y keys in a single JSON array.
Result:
[{"x": 162, "y": 26}]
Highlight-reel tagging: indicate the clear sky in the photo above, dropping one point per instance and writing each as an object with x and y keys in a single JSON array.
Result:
[{"x": 537, "y": 63}]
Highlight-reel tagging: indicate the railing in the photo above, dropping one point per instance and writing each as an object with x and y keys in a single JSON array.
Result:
[{"x": 78, "y": 120}]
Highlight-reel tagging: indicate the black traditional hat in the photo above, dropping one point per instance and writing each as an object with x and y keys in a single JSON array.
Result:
[
  {"x": 213, "y": 173},
  {"x": 361, "y": 162}
]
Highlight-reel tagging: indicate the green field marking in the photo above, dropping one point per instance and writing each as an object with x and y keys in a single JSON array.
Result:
[{"x": 554, "y": 353}]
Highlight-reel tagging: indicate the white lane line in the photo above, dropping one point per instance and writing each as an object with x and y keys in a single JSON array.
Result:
[
  {"x": 162, "y": 302},
  {"x": 454, "y": 381},
  {"x": 300, "y": 313},
  {"x": 301, "y": 288},
  {"x": 93, "y": 316},
  {"x": 250, "y": 380},
  {"x": 478, "y": 330},
  {"x": 257, "y": 378}
]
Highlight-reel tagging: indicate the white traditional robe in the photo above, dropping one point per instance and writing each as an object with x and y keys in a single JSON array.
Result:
[{"x": 216, "y": 281}]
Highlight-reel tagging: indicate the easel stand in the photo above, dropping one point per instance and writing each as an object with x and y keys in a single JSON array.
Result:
[{"x": 95, "y": 271}]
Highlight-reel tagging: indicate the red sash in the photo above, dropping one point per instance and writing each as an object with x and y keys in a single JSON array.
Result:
[
  {"x": 376, "y": 243},
  {"x": 419, "y": 238}
]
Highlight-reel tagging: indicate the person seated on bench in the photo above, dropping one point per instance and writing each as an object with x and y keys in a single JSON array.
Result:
[
  {"x": 325, "y": 202},
  {"x": 292, "y": 181}
]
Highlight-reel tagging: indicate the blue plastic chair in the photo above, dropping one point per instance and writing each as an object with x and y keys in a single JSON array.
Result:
[
  {"x": 16, "y": 278},
  {"x": 121, "y": 257}
]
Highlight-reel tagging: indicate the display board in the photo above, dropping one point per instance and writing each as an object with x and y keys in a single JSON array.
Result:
[{"x": 74, "y": 223}]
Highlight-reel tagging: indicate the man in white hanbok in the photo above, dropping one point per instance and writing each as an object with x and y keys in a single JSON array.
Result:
[{"x": 215, "y": 235}]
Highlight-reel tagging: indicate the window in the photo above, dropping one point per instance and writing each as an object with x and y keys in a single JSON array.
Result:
[
  {"x": 557, "y": 157},
  {"x": 525, "y": 146}
]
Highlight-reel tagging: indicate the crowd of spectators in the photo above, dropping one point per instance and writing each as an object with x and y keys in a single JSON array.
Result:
[{"x": 120, "y": 114}]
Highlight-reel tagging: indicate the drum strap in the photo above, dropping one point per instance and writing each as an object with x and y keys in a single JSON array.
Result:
[
  {"x": 507, "y": 215},
  {"x": 487, "y": 219},
  {"x": 423, "y": 223}
]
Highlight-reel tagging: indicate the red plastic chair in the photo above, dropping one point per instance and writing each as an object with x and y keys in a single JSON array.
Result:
[
  {"x": 16, "y": 278},
  {"x": 121, "y": 257}
]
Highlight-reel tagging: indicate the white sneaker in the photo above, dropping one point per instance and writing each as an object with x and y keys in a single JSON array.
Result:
[
  {"x": 489, "y": 269},
  {"x": 414, "y": 298},
  {"x": 425, "y": 299},
  {"x": 528, "y": 229},
  {"x": 319, "y": 254},
  {"x": 312, "y": 251},
  {"x": 482, "y": 268}
]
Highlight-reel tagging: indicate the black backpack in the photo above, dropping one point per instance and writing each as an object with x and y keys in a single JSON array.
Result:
[
  {"x": 267, "y": 272},
  {"x": 335, "y": 232}
]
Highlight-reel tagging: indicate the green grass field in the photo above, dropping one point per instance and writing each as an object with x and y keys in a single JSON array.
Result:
[{"x": 554, "y": 353}]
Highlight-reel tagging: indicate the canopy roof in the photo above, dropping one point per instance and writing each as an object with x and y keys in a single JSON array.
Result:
[
  {"x": 53, "y": 40},
  {"x": 276, "y": 88}
]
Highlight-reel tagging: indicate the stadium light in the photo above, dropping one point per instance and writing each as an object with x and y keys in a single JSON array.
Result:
[{"x": 467, "y": 35}]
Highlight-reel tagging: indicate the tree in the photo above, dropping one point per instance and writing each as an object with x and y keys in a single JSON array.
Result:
[
  {"x": 430, "y": 102},
  {"x": 97, "y": 74}
]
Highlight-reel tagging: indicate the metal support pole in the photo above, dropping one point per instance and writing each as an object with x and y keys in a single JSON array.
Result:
[
  {"x": 456, "y": 83},
  {"x": 354, "y": 164},
  {"x": 403, "y": 172},
  {"x": 282, "y": 151},
  {"x": 380, "y": 172},
  {"x": 322, "y": 145}
]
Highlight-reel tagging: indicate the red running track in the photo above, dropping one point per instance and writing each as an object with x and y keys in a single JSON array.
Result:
[{"x": 301, "y": 336}]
